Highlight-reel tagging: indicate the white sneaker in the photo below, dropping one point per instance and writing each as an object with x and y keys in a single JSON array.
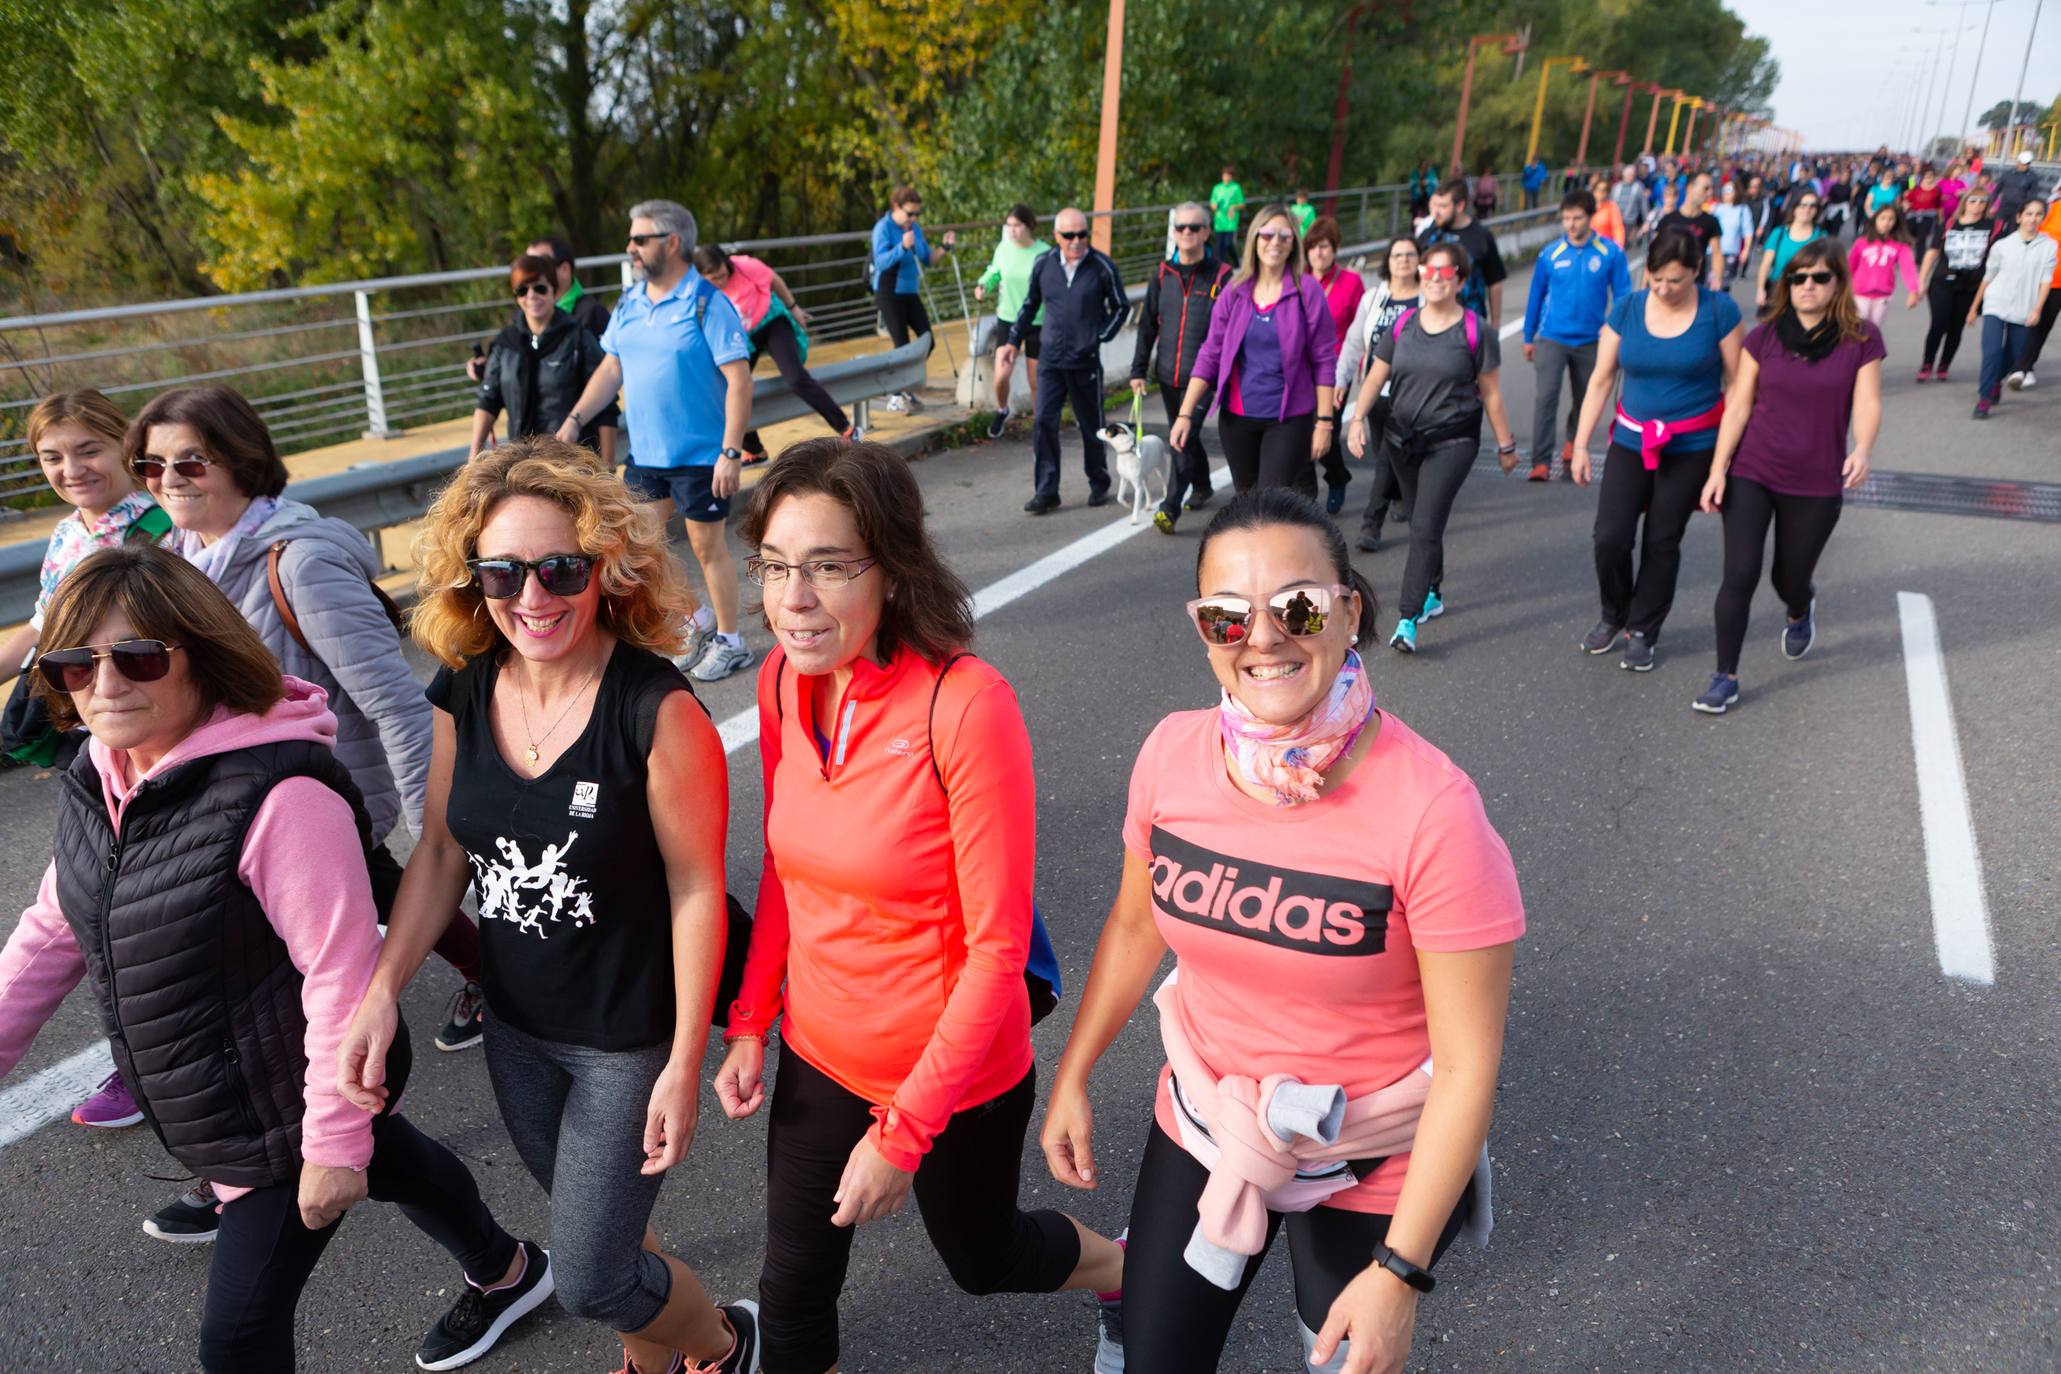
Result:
[
  {"x": 719, "y": 660},
  {"x": 2028, "y": 381},
  {"x": 897, "y": 402},
  {"x": 698, "y": 637},
  {"x": 2015, "y": 380}
]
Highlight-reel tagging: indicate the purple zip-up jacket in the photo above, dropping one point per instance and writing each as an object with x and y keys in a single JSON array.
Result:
[{"x": 1309, "y": 342}]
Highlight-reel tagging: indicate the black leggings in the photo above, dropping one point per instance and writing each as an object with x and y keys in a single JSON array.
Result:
[
  {"x": 1802, "y": 524},
  {"x": 1430, "y": 482},
  {"x": 903, "y": 314},
  {"x": 1191, "y": 464},
  {"x": 264, "y": 1254},
  {"x": 776, "y": 340},
  {"x": 1384, "y": 484},
  {"x": 1949, "y": 305},
  {"x": 1666, "y": 498},
  {"x": 965, "y": 1188},
  {"x": 1269, "y": 453},
  {"x": 1175, "y": 1320}
]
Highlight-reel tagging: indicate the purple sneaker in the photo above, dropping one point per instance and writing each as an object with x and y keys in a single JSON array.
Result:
[{"x": 110, "y": 1106}]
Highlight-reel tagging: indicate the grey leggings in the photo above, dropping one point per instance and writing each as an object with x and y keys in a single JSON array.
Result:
[{"x": 576, "y": 1116}]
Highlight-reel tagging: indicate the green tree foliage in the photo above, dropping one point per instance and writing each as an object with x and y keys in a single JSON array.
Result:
[{"x": 162, "y": 146}]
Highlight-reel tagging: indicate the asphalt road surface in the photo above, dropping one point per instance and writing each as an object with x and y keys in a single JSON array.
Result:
[{"x": 1745, "y": 1121}]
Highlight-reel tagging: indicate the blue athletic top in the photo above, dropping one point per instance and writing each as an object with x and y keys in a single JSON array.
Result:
[{"x": 1673, "y": 379}]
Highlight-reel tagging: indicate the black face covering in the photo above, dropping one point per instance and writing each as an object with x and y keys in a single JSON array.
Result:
[{"x": 1811, "y": 345}]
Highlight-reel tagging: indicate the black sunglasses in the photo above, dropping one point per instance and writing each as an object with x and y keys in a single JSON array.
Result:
[
  {"x": 560, "y": 574},
  {"x": 641, "y": 239},
  {"x": 535, "y": 288},
  {"x": 1071, "y": 234},
  {"x": 139, "y": 660},
  {"x": 1814, "y": 278},
  {"x": 1189, "y": 228}
]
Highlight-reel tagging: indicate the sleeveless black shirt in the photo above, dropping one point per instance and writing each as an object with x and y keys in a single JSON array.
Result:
[{"x": 574, "y": 913}]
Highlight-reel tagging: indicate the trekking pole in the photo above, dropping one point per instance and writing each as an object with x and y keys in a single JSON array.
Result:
[
  {"x": 949, "y": 358},
  {"x": 965, "y": 312}
]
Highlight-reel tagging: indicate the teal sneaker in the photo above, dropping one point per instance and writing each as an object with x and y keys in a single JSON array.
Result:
[
  {"x": 1404, "y": 640},
  {"x": 1434, "y": 606}
]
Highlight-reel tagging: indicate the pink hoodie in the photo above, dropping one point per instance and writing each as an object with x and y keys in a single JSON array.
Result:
[
  {"x": 1876, "y": 264},
  {"x": 302, "y": 860}
]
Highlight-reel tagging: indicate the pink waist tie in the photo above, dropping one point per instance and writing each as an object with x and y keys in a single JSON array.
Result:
[{"x": 1654, "y": 434}]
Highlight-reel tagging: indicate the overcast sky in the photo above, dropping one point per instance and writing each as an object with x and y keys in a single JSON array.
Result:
[{"x": 1852, "y": 69}]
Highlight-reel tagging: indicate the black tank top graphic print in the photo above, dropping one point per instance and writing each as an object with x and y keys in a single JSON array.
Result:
[{"x": 574, "y": 914}]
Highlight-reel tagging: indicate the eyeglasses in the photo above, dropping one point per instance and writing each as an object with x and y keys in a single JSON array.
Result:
[
  {"x": 823, "y": 574},
  {"x": 560, "y": 574},
  {"x": 535, "y": 288},
  {"x": 1071, "y": 235},
  {"x": 139, "y": 660},
  {"x": 192, "y": 467},
  {"x": 639, "y": 240},
  {"x": 1440, "y": 271},
  {"x": 1298, "y": 612},
  {"x": 1814, "y": 278},
  {"x": 1274, "y": 234},
  {"x": 1189, "y": 228}
]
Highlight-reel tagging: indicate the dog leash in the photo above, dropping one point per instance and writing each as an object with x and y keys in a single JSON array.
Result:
[{"x": 1137, "y": 419}]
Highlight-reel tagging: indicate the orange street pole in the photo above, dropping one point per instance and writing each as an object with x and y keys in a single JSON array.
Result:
[
  {"x": 1652, "y": 121},
  {"x": 1510, "y": 44},
  {"x": 1105, "y": 153},
  {"x": 1581, "y": 157}
]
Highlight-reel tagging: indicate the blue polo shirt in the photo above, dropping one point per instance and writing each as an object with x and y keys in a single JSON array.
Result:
[
  {"x": 1571, "y": 291},
  {"x": 672, "y": 351}
]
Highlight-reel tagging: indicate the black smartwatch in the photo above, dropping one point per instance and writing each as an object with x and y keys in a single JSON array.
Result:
[
  {"x": 1419, "y": 1279},
  {"x": 734, "y": 455}
]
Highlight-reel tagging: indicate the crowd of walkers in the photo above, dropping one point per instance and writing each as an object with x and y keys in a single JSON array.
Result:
[{"x": 216, "y": 670}]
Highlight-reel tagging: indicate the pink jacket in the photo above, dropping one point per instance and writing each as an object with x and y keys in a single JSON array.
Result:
[
  {"x": 302, "y": 860},
  {"x": 1876, "y": 264},
  {"x": 1254, "y": 1168}
]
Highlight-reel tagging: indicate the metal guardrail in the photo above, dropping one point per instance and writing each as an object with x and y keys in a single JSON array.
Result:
[
  {"x": 376, "y": 496},
  {"x": 323, "y": 363}
]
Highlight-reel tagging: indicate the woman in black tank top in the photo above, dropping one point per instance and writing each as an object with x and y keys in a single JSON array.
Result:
[{"x": 551, "y": 598}]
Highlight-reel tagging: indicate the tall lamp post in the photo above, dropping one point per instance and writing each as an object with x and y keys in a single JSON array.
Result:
[
  {"x": 1105, "y": 151},
  {"x": 1968, "y": 114},
  {"x": 1538, "y": 106},
  {"x": 1581, "y": 155},
  {"x": 1509, "y": 44}
]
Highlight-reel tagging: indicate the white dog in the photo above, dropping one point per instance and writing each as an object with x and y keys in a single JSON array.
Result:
[{"x": 1137, "y": 461}]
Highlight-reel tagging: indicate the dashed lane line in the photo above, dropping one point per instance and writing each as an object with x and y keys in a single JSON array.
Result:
[
  {"x": 1953, "y": 866},
  {"x": 53, "y": 1092}
]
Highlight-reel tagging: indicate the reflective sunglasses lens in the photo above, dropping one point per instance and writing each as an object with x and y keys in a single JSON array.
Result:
[
  {"x": 499, "y": 578},
  {"x": 67, "y": 670},
  {"x": 141, "y": 660},
  {"x": 1223, "y": 622},
  {"x": 1302, "y": 612},
  {"x": 566, "y": 574}
]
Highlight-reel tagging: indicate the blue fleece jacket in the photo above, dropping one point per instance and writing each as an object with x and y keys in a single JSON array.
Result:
[
  {"x": 1571, "y": 291},
  {"x": 894, "y": 265}
]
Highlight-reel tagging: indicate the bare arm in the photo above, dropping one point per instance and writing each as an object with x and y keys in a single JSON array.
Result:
[
  {"x": 482, "y": 433},
  {"x": 1739, "y": 398},
  {"x": 1127, "y": 956},
  {"x": 1867, "y": 423},
  {"x": 1490, "y": 386},
  {"x": 600, "y": 391},
  {"x": 14, "y": 651},
  {"x": 1602, "y": 391}
]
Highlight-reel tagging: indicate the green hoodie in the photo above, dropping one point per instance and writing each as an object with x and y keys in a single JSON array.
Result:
[{"x": 1010, "y": 268}]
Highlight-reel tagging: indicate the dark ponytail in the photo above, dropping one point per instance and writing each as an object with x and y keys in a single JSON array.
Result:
[{"x": 1260, "y": 507}]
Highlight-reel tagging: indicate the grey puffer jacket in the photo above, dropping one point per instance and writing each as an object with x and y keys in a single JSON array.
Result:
[{"x": 382, "y": 717}]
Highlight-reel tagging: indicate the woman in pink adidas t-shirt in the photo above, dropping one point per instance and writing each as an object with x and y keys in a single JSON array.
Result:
[{"x": 1341, "y": 914}]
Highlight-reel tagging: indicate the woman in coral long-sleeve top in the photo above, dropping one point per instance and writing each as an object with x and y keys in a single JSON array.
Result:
[{"x": 894, "y": 916}]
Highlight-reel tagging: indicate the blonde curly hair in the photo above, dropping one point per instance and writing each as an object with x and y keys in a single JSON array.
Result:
[{"x": 644, "y": 596}]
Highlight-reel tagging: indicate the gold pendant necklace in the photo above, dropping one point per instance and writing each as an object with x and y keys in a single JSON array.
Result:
[{"x": 532, "y": 753}]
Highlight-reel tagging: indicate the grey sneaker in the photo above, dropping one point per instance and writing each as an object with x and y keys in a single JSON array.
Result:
[
  {"x": 1799, "y": 635},
  {"x": 719, "y": 660},
  {"x": 1601, "y": 639},
  {"x": 1109, "y": 1325},
  {"x": 698, "y": 638},
  {"x": 1638, "y": 653}
]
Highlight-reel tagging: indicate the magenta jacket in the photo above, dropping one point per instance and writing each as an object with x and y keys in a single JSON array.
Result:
[{"x": 1309, "y": 342}]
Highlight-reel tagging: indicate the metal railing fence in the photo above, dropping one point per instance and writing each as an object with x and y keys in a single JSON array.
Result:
[{"x": 330, "y": 362}]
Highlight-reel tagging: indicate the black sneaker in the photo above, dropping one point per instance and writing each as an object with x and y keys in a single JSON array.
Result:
[
  {"x": 997, "y": 425},
  {"x": 477, "y": 1319},
  {"x": 1198, "y": 499},
  {"x": 1601, "y": 639},
  {"x": 743, "y": 1316},
  {"x": 1334, "y": 500},
  {"x": 1100, "y": 498},
  {"x": 190, "y": 1219},
  {"x": 1370, "y": 543},
  {"x": 1041, "y": 505},
  {"x": 1638, "y": 653},
  {"x": 465, "y": 1020}
]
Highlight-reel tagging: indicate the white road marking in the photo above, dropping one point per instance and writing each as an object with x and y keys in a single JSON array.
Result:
[
  {"x": 53, "y": 1092},
  {"x": 743, "y": 728},
  {"x": 1953, "y": 867}
]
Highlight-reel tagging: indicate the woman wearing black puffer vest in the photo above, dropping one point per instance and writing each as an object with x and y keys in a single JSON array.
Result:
[{"x": 209, "y": 880}]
